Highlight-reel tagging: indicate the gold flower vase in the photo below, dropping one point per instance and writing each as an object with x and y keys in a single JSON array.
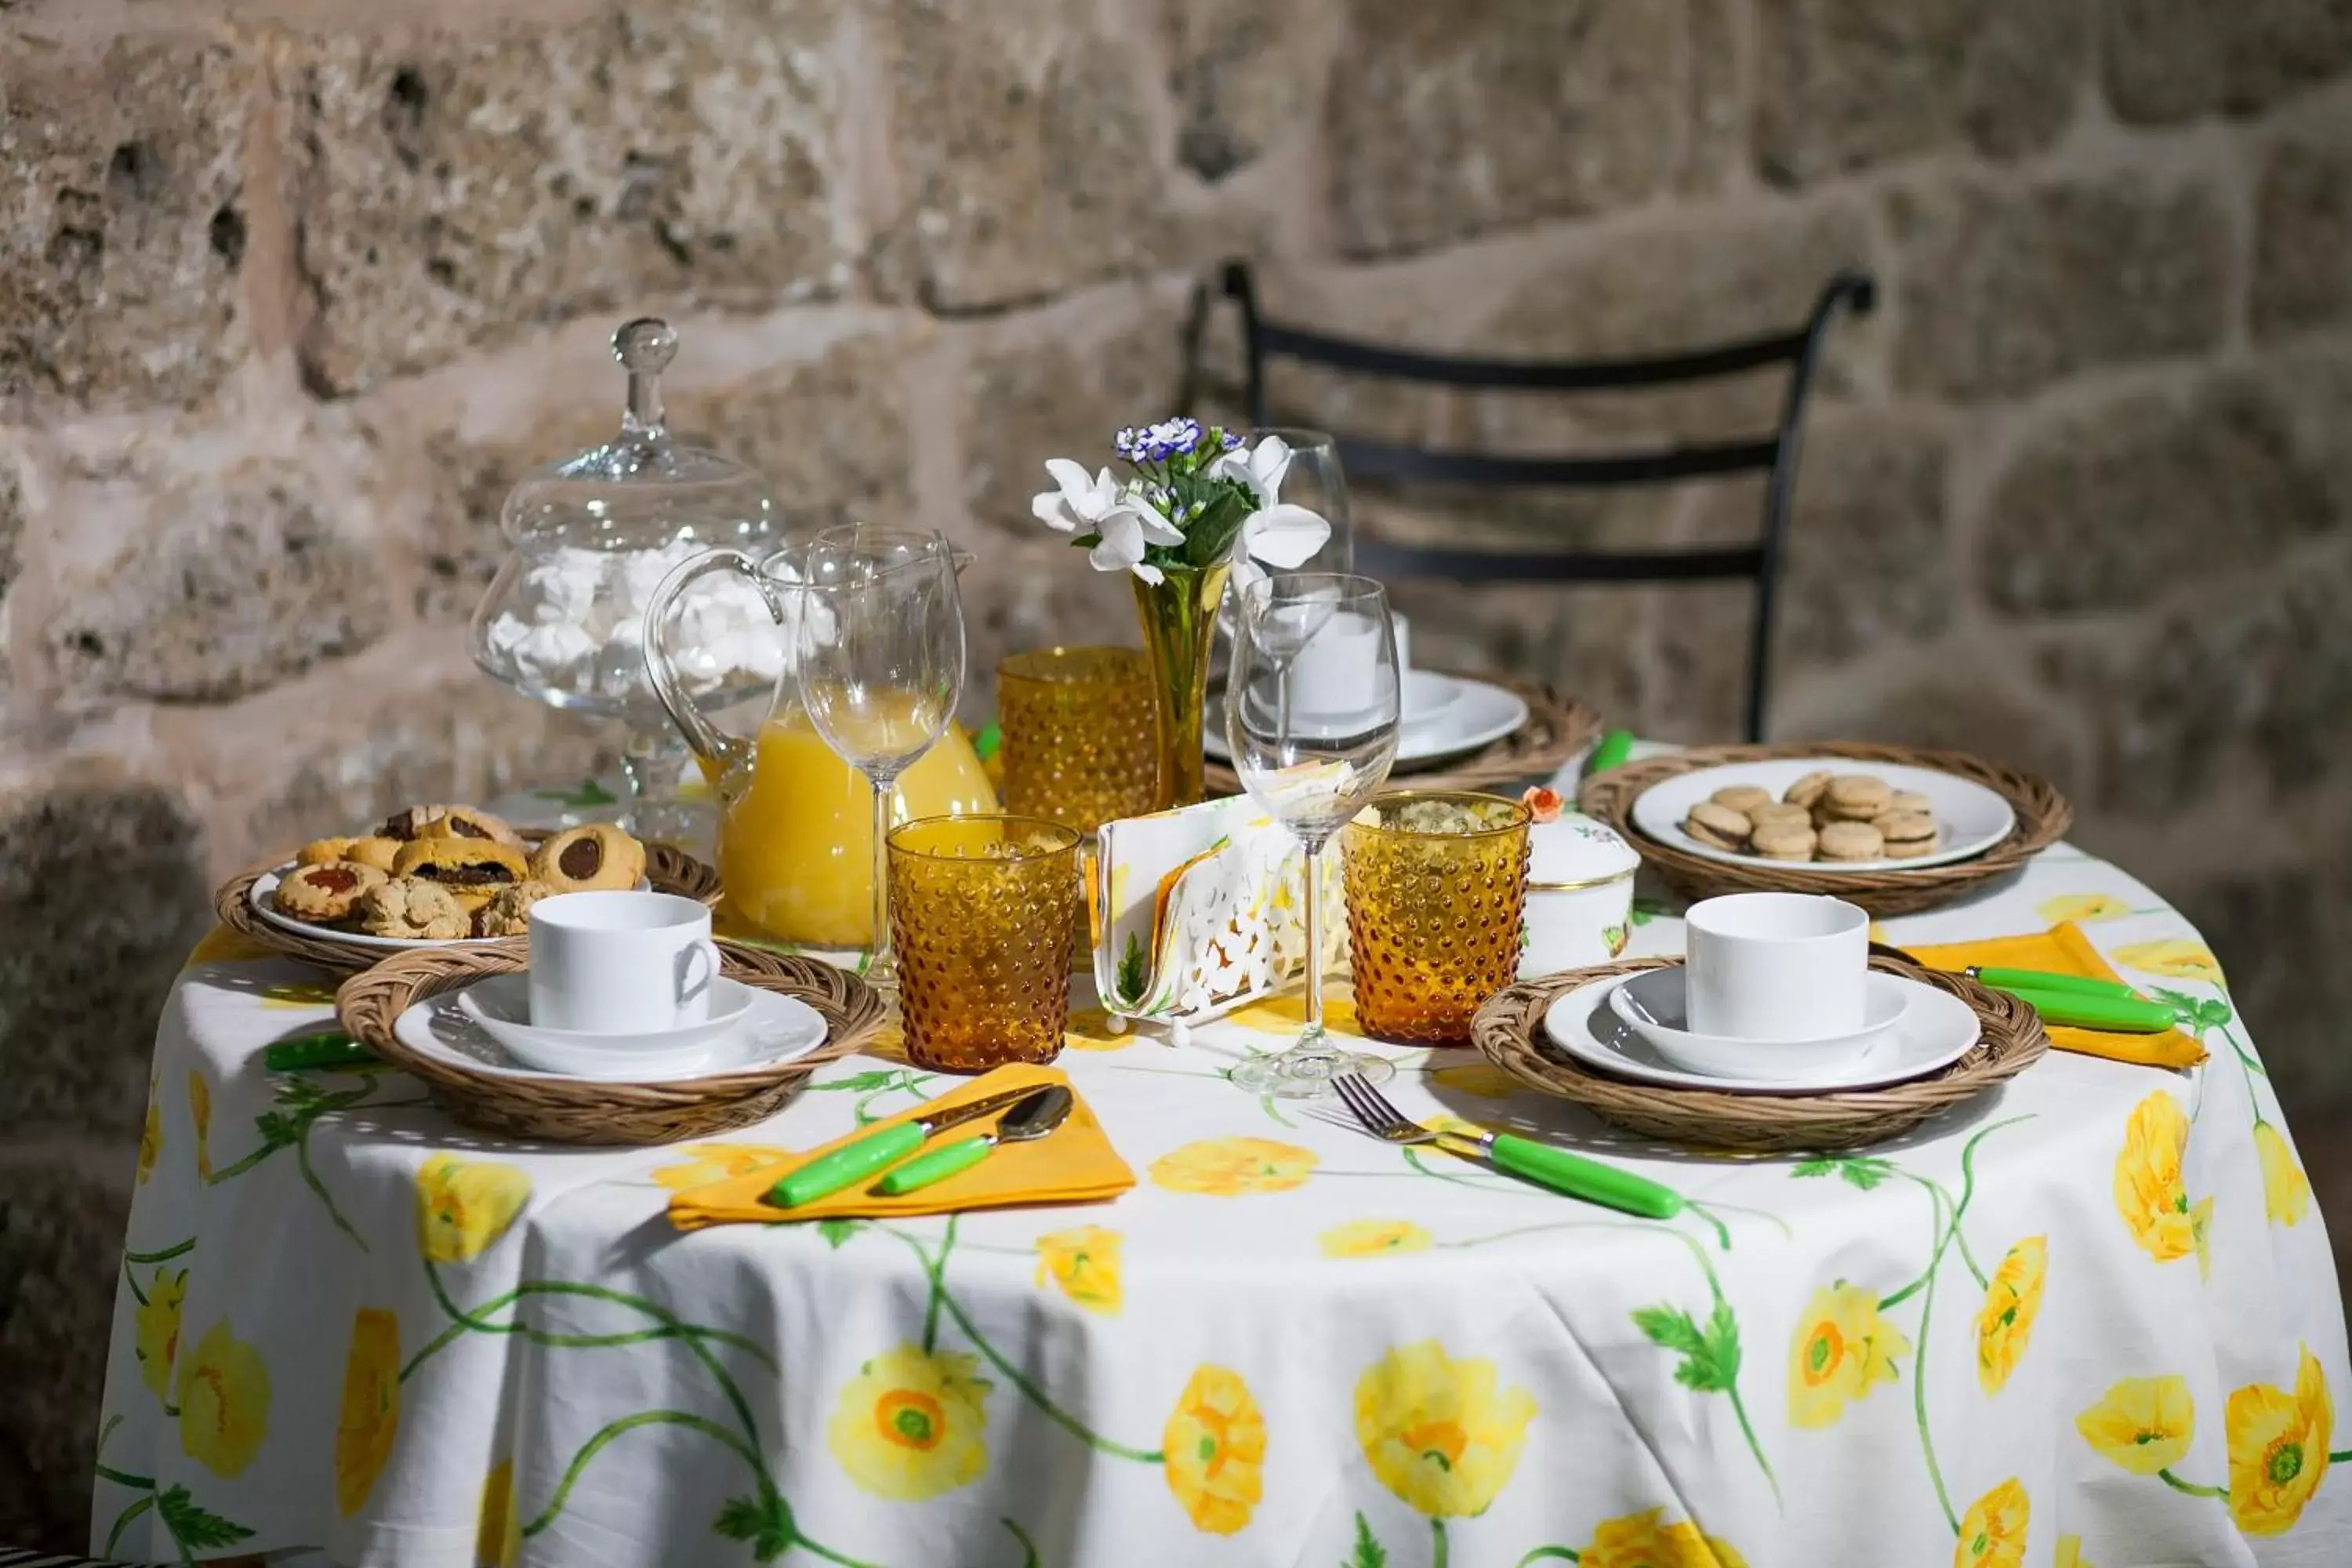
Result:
[{"x": 1180, "y": 628}]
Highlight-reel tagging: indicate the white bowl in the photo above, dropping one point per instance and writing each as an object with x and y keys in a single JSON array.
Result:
[
  {"x": 1651, "y": 1004},
  {"x": 502, "y": 1005}
]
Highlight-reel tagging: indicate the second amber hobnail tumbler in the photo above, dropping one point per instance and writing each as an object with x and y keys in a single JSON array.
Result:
[
  {"x": 1079, "y": 744},
  {"x": 1438, "y": 886},
  {"x": 984, "y": 910}
]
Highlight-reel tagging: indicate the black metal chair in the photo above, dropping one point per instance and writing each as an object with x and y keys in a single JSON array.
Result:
[{"x": 1774, "y": 456}]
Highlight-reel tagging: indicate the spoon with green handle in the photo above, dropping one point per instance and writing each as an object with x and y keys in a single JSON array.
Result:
[
  {"x": 884, "y": 1147},
  {"x": 1031, "y": 1119}
]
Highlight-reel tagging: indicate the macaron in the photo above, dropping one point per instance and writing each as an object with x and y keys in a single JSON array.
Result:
[
  {"x": 1743, "y": 798},
  {"x": 1910, "y": 800},
  {"x": 1852, "y": 841},
  {"x": 1855, "y": 797},
  {"x": 1783, "y": 840},
  {"x": 1717, "y": 825},
  {"x": 1806, "y": 789},
  {"x": 1907, "y": 833},
  {"x": 1780, "y": 812}
]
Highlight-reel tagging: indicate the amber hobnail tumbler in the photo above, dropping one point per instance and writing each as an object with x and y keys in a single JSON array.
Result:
[
  {"x": 1437, "y": 883},
  {"x": 1078, "y": 734},
  {"x": 984, "y": 910}
]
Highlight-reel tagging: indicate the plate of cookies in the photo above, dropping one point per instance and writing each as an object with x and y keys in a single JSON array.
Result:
[
  {"x": 1825, "y": 813},
  {"x": 435, "y": 875}
]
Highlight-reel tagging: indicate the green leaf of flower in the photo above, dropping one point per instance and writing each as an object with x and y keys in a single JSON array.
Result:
[
  {"x": 1863, "y": 1171},
  {"x": 277, "y": 1128},
  {"x": 861, "y": 1082},
  {"x": 590, "y": 792},
  {"x": 837, "y": 1231},
  {"x": 740, "y": 1519},
  {"x": 1671, "y": 1327},
  {"x": 1132, "y": 976},
  {"x": 1369, "y": 1552},
  {"x": 1711, "y": 1357},
  {"x": 191, "y": 1526}
]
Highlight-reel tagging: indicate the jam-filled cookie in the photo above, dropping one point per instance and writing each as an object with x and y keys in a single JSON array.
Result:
[
  {"x": 472, "y": 869},
  {"x": 508, "y": 911},
  {"x": 414, "y": 909},
  {"x": 326, "y": 893},
  {"x": 465, "y": 822},
  {"x": 597, "y": 858}
]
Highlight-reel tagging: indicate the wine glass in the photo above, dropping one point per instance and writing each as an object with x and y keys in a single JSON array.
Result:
[
  {"x": 881, "y": 647},
  {"x": 1311, "y": 718}
]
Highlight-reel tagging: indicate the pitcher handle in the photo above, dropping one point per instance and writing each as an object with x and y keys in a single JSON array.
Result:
[{"x": 710, "y": 743}]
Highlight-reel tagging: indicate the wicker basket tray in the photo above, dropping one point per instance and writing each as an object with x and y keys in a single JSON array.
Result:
[
  {"x": 1509, "y": 1031},
  {"x": 2042, "y": 817},
  {"x": 668, "y": 870},
  {"x": 575, "y": 1110},
  {"x": 1556, "y": 728}
]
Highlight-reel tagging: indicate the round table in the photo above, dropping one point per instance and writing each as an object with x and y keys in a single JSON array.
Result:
[{"x": 2092, "y": 1320}]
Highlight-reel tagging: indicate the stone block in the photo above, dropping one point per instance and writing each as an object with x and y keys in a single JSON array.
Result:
[
  {"x": 1036, "y": 596},
  {"x": 103, "y": 889},
  {"x": 225, "y": 583},
  {"x": 12, "y": 525},
  {"x": 454, "y": 190},
  {"x": 1062, "y": 385},
  {"x": 2148, "y": 495},
  {"x": 2006, "y": 289},
  {"x": 1028, "y": 165},
  {"x": 2303, "y": 240},
  {"x": 1697, "y": 692},
  {"x": 60, "y": 1248},
  {"x": 2175, "y": 60},
  {"x": 1236, "y": 71},
  {"x": 1591, "y": 643},
  {"x": 2278, "y": 931},
  {"x": 1444, "y": 122},
  {"x": 1846, "y": 84},
  {"x": 1972, "y": 709},
  {"x": 123, "y": 222}
]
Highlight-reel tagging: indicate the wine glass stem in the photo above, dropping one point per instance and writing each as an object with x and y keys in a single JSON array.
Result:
[
  {"x": 1312, "y": 1044},
  {"x": 881, "y": 967}
]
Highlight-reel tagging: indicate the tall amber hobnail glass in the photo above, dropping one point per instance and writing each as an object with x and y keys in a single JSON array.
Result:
[
  {"x": 1437, "y": 884},
  {"x": 1080, "y": 737},
  {"x": 983, "y": 911}
]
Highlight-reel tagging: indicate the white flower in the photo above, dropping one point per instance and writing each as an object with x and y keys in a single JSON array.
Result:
[
  {"x": 1261, "y": 468},
  {"x": 1284, "y": 535},
  {"x": 1125, "y": 530},
  {"x": 1081, "y": 503}
]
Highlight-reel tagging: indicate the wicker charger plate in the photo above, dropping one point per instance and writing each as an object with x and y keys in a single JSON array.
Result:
[
  {"x": 2042, "y": 817},
  {"x": 1557, "y": 727},
  {"x": 668, "y": 870},
  {"x": 578, "y": 1110},
  {"x": 1509, "y": 1031}
]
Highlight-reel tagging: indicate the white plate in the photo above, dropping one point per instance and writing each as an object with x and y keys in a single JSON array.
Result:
[
  {"x": 1653, "y": 1003},
  {"x": 1479, "y": 713},
  {"x": 775, "y": 1029},
  {"x": 501, "y": 1005},
  {"x": 1970, "y": 818},
  {"x": 262, "y": 897},
  {"x": 1937, "y": 1029}
]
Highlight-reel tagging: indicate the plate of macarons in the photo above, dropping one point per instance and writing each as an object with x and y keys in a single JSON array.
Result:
[
  {"x": 435, "y": 875},
  {"x": 1826, "y": 814}
]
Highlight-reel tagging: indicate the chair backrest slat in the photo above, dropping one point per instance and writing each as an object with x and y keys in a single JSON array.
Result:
[
  {"x": 1369, "y": 459},
  {"x": 1721, "y": 564},
  {"x": 1547, "y": 375}
]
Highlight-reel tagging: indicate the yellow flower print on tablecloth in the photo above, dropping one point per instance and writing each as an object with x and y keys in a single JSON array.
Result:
[
  {"x": 2149, "y": 1193},
  {"x": 2177, "y": 957},
  {"x": 156, "y": 1339},
  {"x": 2143, "y": 1424},
  {"x": 707, "y": 1163},
  {"x": 1287, "y": 1014},
  {"x": 1089, "y": 1029},
  {"x": 2286, "y": 1191},
  {"x": 1440, "y": 1433},
  {"x": 1373, "y": 1238},
  {"x": 1639, "y": 1540},
  {"x": 224, "y": 1402},
  {"x": 1214, "y": 1450},
  {"x": 1992, "y": 1532},
  {"x": 200, "y": 1117},
  {"x": 2083, "y": 908},
  {"x": 2069, "y": 1553},
  {"x": 1085, "y": 1264},
  {"x": 1228, "y": 1167},
  {"x": 150, "y": 1135},
  {"x": 464, "y": 1205},
  {"x": 1843, "y": 1350},
  {"x": 498, "y": 1524},
  {"x": 2201, "y": 1230},
  {"x": 2278, "y": 1448},
  {"x": 368, "y": 1417},
  {"x": 222, "y": 945},
  {"x": 1478, "y": 1079},
  {"x": 2011, "y": 1302},
  {"x": 912, "y": 1423}
]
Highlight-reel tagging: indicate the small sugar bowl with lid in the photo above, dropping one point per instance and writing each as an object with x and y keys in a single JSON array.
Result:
[{"x": 1580, "y": 907}]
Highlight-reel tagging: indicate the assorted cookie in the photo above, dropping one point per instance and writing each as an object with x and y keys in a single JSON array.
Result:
[
  {"x": 414, "y": 910},
  {"x": 588, "y": 859},
  {"x": 508, "y": 911},
  {"x": 326, "y": 892},
  {"x": 1832, "y": 818}
]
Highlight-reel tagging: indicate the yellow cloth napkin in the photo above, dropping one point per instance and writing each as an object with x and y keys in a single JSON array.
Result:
[
  {"x": 2064, "y": 950},
  {"x": 1075, "y": 1164}
]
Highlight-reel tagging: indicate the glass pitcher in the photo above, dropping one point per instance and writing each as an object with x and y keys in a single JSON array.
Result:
[{"x": 795, "y": 822}]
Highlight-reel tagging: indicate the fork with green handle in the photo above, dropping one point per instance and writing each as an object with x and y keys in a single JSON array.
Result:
[
  {"x": 1523, "y": 1157},
  {"x": 327, "y": 1048},
  {"x": 2072, "y": 1001}
]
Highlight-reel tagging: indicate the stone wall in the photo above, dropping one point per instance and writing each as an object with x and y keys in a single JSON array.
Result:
[{"x": 288, "y": 297}]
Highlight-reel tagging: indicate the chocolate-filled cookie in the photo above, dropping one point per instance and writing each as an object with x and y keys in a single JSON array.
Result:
[
  {"x": 594, "y": 859},
  {"x": 409, "y": 821},
  {"x": 327, "y": 893},
  {"x": 471, "y": 868}
]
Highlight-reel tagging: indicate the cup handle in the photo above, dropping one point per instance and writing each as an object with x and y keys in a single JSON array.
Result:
[{"x": 689, "y": 986}]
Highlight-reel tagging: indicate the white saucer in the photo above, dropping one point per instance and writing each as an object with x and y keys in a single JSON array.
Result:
[
  {"x": 1653, "y": 1004},
  {"x": 501, "y": 1005},
  {"x": 773, "y": 1029},
  {"x": 262, "y": 896},
  {"x": 1972, "y": 818},
  {"x": 1936, "y": 1029},
  {"x": 1473, "y": 713}
]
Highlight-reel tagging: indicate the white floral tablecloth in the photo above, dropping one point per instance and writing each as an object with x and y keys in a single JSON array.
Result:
[{"x": 2095, "y": 1319}]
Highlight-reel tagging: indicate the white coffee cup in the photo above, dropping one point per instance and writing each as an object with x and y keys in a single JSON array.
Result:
[
  {"x": 1775, "y": 966},
  {"x": 1401, "y": 629},
  {"x": 620, "y": 962}
]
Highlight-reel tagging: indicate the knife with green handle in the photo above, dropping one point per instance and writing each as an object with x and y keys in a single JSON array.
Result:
[
  {"x": 1573, "y": 1173},
  {"x": 2048, "y": 980},
  {"x": 1030, "y": 1119},
  {"x": 2076, "y": 1009},
  {"x": 856, "y": 1159},
  {"x": 1611, "y": 752},
  {"x": 327, "y": 1048}
]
